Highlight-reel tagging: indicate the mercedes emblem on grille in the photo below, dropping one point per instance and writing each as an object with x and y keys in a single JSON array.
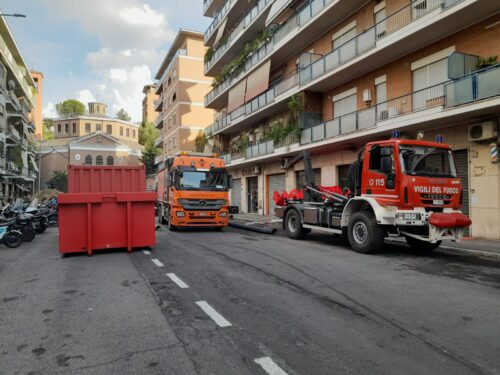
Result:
[{"x": 203, "y": 203}]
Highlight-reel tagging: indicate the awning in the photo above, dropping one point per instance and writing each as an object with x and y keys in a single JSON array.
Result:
[
  {"x": 237, "y": 96},
  {"x": 220, "y": 31},
  {"x": 276, "y": 8},
  {"x": 258, "y": 81}
]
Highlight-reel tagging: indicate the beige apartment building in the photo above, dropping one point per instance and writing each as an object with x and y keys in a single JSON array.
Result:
[
  {"x": 182, "y": 87},
  {"x": 329, "y": 76},
  {"x": 149, "y": 113},
  {"x": 18, "y": 167},
  {"x": 37, "y": 112},
  {"x": 91, "y": 139}
]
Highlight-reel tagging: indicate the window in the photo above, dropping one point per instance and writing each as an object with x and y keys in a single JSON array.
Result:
[
  {"x": 87, "y": 128},
  {"x": 344, "y": 38},
  {"x": 345, "y": 106},
  {"x": 169, "y": 82},
  {"x": 381, "y": 99},
  {"x": 300, "y": 178},
  {"x": 127, "y": 132},
  {"x": 98, "y": 160},
  {"x": 74, "y": 128},
  {"x": 174, "y": 142},
  {"x": 426, "y": 80},
  {"x": 121, "y": 131},
  {"x": 174, "y": 119},
  {"x": 66, "y": 128},
  {"x": 133, "y": 133},
  {"x": 174, "y": 97},
  {"x": 380, "y": 22},
  {"x": 174, "y": 72},
  {"x": 109, "y": 160},
  {"x": 59, "y": 127},
  {"x": 88, "y": 160},
  {"x": 109, "y": 129},
  {"x": 376, "y": 158},
  {"x": 98, "y": 127}
]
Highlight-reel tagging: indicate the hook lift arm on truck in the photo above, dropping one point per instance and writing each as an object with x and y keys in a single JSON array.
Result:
[{"x": 398, "y": 188}]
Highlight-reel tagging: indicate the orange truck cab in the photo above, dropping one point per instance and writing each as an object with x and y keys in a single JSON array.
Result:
[{"x": 193, "y": 191}]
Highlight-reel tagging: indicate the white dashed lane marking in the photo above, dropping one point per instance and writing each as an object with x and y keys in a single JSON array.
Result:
[
  {"x": 157, "y": 262},
  {"x": 269, "y": 366},
  {"x": 146, "y": 252},
  {"x": 179, "y": 282},
  {"x": 216, "y": 317}
]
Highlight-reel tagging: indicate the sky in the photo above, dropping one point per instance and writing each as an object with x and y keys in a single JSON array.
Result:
[{"x": 104, "y": 50}]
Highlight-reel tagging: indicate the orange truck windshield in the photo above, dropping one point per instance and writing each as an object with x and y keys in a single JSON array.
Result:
[{"x": 203, "y": 180}]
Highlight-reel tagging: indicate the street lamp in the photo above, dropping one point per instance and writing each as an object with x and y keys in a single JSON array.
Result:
[{"x": 17, "y": 15}]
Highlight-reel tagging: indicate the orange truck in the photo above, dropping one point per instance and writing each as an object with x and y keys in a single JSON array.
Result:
[{"x": 192, "y": 191}]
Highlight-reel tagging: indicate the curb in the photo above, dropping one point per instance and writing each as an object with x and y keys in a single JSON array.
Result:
[{"x": 475, "y": 253}]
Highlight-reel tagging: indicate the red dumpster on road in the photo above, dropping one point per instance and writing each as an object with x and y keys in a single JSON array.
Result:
[{"x": 98, "y": 214}]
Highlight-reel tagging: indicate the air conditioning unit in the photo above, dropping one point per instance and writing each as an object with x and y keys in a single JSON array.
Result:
[
  {"x": 284, "y": 162},
  {"x": 483, "y": 131},
  {"x": 256, "y": 169},
  {"x": 384, "y": 114}
]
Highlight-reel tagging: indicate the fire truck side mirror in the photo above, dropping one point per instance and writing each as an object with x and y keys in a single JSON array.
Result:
[
  {"x": 231, "y": 182},
  {"x": 169, "y": 180}
]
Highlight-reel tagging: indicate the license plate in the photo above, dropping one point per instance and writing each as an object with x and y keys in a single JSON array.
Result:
[
  {"x": 437, "y": 202},
  {"x": 203, "y": 214}
]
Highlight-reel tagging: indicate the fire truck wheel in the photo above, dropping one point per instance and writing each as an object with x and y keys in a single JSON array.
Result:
[
  {"x": 422, "y": 246},
  {"x": 364, "y": 235},
  {"x": 171, "y": 227},
  {"x": 293, "y": 226}
]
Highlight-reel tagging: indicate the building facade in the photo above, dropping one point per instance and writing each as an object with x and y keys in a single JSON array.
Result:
[
  {"x": 329, "y": 76},
  {"x": 149, "y": 113},
  {"x": 181, "y": 88},
  {"x": 91, "y": 139},
  {"x": 18, "y": 167},
  {"x": 37, "y": 112},
  {"x": 96, "y": 121}
]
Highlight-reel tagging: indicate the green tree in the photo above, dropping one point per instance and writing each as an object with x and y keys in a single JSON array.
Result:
[
  {"x": 200, "y": 141},
  {"x": 47, "y": 133},
  {"x": 123, "y": 115},
  {"x": 147, "y": 137},
  {"x": 70, "y": 108},
  {"x": 58, "y": 181}
]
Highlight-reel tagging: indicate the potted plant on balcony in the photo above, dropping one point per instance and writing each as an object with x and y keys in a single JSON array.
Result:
[{"x": 486, "y": 62}]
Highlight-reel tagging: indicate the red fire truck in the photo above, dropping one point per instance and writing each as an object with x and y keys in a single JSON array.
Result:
[{"x": 397, "y": 188}]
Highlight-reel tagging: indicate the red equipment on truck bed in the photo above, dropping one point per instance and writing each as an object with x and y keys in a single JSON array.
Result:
[{"x": 107, "y": 208}]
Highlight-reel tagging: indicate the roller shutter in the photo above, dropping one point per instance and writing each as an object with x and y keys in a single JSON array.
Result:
[
  {"x": 276, "y": 182},
  {"x": 462, "y": 161},
  {"x": 236, "y": 193}
]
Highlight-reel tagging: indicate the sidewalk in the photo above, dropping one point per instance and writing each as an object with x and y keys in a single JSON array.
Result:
[{"x": 473, "y": 246}]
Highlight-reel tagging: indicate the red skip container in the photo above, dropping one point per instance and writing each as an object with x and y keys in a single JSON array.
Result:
[
  {"x": 102, "y": 220},
  {"x": 106, "y": 179}
]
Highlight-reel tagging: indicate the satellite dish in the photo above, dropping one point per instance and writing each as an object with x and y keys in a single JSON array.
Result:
[{"x": 77, "y": 157}]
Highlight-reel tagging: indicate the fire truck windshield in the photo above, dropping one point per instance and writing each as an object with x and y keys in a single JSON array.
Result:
[
  {"x": 427, "y": 161},
  {"x": 203, "y": 180}
]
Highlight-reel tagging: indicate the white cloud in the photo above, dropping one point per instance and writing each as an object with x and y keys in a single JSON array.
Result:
[
  {"x": 131, "y": 35},
  {"x": 50, "y": 111},
  {"x": 85, "y": 96}
]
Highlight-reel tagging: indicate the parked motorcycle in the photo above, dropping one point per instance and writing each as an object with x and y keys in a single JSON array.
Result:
[
  {"x": 22, "y": 221},
  {"x": 40, "y": 216},
  {"x": 10, "y": 236}
]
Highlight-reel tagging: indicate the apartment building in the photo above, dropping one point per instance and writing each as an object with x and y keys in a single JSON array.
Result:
[
  {"x": 329, "y": 76},
  {"x": 149, "y": 113},
  {"x": 182, "y": 87},
  {"x": 37, "y": 112},
  {"x": 18, "y": 168}
]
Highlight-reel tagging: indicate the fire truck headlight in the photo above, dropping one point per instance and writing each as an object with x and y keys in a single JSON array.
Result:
[
  {"x": 408, "y": 216},
  {"x": 180, "y": 214}
]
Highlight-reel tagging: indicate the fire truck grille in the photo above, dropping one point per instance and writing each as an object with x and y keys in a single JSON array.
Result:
[
  {"x": 202, "y": 204},
  {"x": 428, "y": 199}
]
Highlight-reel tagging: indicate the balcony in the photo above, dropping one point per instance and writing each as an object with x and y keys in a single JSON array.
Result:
[
  {"x": 210, "y": 7},
  {"x": 158, "y": 104},
  {"x": 289, "y": 38},
  {"x": 13, "y": 101},
  {"x": 350, "y": 59},
  {"x": 465, "y": 99},
  {"x": 159, "y": 159},
  {"x": 159, "y": 142},
  {"x": 13, "y": 135},
  {"x": 159, "y": 121},
  {"x": 253, "y": 21},
  {"x": 221, "y": 14},
  {"x": 166, "y": 73}
]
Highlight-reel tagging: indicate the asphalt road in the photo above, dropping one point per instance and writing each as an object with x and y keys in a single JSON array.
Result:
[{"x": 236, "y": 302}]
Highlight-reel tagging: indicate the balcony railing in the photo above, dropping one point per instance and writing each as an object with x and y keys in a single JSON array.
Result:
[
  {"x": 245, "y": 22},
  {"x": 480, "y": 85},
  {"x": 180, "y": 52},
  {"x": 159, "y": 159},
  {"x": 355, "y": 47},
  {"x": 260, "y": 149},
  {"x": 368, "y": 118},
  {"x": 218, "y": 18},
  {"x": 159, "y": 121},
  {"x": 159, "y": 142},
  {"x": 13, "y": 132}
]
